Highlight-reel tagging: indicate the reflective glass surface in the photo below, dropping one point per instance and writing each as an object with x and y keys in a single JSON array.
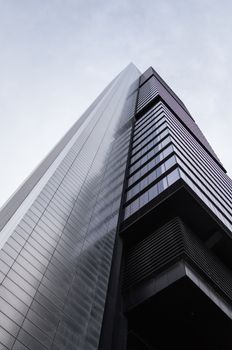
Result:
[
  {"x": 149, "y": 161},
  {"x": 55, "y": 266}
]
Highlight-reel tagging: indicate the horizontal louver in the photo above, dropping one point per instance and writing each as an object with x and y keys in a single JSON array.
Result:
[{"x": 170, "y": 243}]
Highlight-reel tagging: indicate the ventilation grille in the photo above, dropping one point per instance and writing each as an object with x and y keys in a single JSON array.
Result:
[
  {"x": 208, "y": 263},
  {"x": 153, "y": 253},
  {"x": 170, "y": 243}
]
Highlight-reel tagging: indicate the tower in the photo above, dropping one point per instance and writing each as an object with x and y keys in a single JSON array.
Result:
[
  {"x": 174, "y": 283},
  {"x": 121, "y": 238}
]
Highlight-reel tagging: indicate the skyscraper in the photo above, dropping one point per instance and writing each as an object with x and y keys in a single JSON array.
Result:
[{"x": 121, "y": 238}]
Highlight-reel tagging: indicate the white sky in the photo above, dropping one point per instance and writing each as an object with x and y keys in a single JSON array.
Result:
[{"x": 56, "y": 56}]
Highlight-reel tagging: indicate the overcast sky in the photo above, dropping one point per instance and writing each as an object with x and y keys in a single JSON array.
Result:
[{"x": 56, "y": 56}]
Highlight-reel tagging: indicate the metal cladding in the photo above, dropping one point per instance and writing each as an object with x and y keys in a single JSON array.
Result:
[
  {"x": 58, "y": 233},
  {"x": 176, "y": 227},
  {"x": 132, "y": 200}
]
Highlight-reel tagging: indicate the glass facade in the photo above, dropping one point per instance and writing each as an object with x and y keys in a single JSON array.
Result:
[
  {"x": 172, "y": 176},
  {"x": 55, "y": 262},
  {"x": 160, "y": 143},
  {"x": 132, "y": 147}
]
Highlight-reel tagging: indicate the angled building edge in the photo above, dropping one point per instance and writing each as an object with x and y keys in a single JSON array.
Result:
[{"x": 121, "y": 238}]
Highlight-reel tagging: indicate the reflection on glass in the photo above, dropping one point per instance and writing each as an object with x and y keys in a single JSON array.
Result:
[{"x": 152, "y": 192}]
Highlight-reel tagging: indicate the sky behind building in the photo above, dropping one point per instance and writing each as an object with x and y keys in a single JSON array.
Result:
[{"x": 57, "y": 56}]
